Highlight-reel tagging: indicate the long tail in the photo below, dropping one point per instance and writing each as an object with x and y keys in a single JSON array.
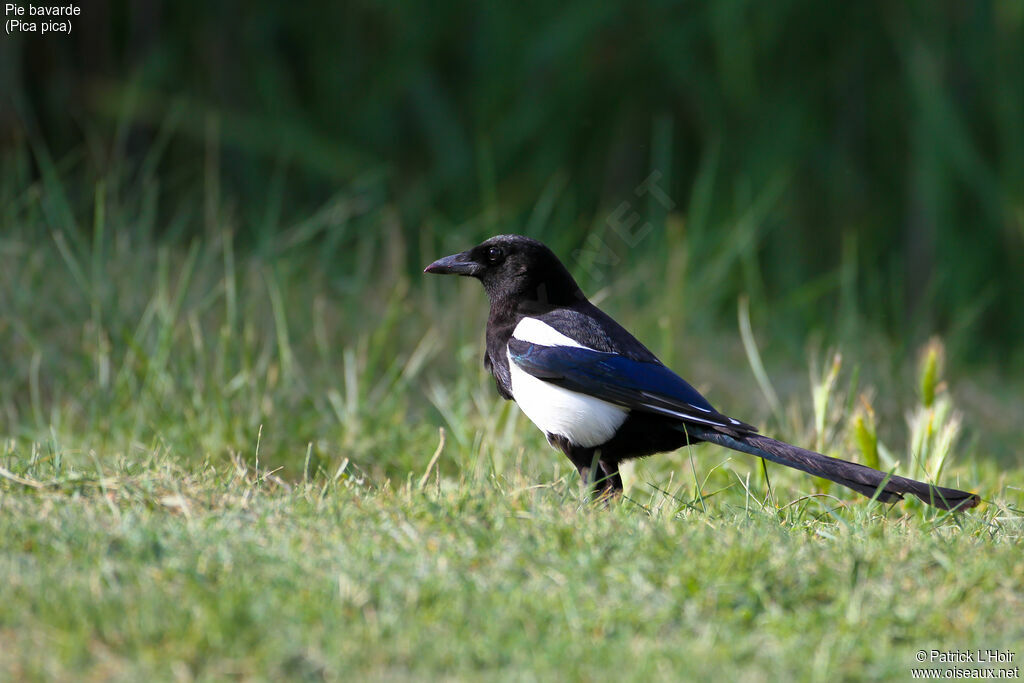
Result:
[{"x": 857, "y": 477}]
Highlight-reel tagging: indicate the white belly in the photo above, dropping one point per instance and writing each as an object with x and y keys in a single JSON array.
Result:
[{"x": 584, "y": 420}]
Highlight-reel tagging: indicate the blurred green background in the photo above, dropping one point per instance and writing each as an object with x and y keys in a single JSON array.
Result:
[
  {"x": 863, "y": 161},
  {"x": 198, "y": 197}
]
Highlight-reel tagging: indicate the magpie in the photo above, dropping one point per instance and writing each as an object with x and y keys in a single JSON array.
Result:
[{"x": 601, "y": 397}]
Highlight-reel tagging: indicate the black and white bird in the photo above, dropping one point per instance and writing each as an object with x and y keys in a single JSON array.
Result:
[{"x": 600, "y": 396}]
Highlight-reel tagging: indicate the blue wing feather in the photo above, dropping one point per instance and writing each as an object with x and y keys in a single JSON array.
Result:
[{"x": 638, "y": 385}]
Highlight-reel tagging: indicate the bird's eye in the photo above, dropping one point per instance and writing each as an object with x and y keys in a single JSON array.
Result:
[{"x": 495, "y": 254}]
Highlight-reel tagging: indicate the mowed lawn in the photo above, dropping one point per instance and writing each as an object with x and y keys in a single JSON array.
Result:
[
  {"x": 218, "y": 465},
  {"x": 153, "y": 571}
]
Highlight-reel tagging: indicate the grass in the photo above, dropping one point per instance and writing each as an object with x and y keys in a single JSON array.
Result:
[
  {"x": 153, "y": 570},
  {"x": 224, "y": 461},
  {"x": 824, "y": 136}
]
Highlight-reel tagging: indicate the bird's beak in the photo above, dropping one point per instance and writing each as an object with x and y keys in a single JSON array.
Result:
[{"x": 456, "y": 264}]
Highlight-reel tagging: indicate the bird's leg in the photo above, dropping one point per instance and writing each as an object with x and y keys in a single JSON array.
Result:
[
  {"x": 583, "y": 459},
  {"x": 600, "y": 477},
  {"x": 611, "y": 482}
]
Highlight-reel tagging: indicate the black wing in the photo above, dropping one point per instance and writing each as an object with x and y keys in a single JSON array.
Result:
[
  {"x": 597, "y": 330},
  {"x": 638, "y": 385}
]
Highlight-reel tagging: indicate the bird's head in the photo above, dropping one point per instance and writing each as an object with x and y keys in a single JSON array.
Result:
[{"x": 514, "y": 268}]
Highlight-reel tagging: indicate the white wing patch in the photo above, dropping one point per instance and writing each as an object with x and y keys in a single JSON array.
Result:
[{"x": 540, "y": 333}]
